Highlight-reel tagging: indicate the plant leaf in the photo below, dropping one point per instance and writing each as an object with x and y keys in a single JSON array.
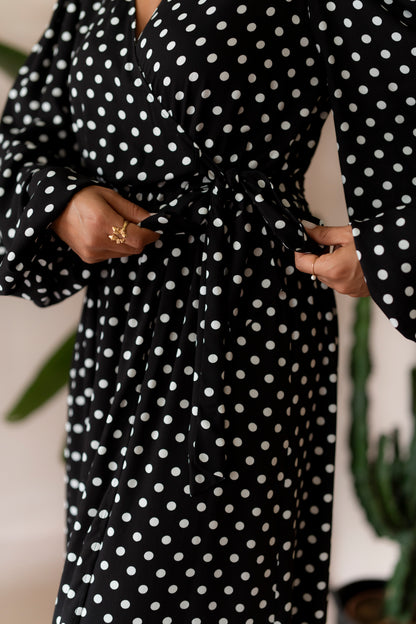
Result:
[
  {"x": 51, "y": 377},
  {"x": 11, "y": 59}
]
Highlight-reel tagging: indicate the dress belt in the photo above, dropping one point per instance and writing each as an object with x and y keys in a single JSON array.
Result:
[{"x": 225, "y": 193}]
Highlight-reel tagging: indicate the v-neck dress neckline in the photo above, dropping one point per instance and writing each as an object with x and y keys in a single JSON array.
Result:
[{"x": 147, "y": 26}]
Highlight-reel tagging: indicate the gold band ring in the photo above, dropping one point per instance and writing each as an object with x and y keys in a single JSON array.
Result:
[
  {"x": 313, "y": 276},
  {"x": 119, "y": 233}
]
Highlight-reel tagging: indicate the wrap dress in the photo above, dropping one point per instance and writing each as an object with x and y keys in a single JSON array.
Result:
[{"x": 201, "y": 411}]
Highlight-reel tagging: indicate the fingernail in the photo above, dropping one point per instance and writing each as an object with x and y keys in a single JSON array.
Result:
[{"x": 308, "y": 224}]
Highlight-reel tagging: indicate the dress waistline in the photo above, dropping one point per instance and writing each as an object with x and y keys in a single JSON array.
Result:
[{"x": 220, "y": 197}]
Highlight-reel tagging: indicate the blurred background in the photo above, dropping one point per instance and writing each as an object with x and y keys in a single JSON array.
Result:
[{"x": 31, "y": 470}]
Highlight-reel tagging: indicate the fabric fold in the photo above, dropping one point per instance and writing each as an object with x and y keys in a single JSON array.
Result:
[{"x": 224, "y": 195}]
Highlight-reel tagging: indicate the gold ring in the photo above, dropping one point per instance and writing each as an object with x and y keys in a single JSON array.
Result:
[
  {"x": 313, "y": 276},
  {"x": 119, "y": 233}
]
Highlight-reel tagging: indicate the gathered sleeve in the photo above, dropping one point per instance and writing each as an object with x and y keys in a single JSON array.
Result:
[
  {"x": 369, "y": 49},
  {"x": 40, "y": 170}
]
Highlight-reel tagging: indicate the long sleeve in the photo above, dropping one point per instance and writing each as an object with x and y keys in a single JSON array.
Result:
[
  {"x": 369, "y": 49},
  {"x": 40, "y": 170}
]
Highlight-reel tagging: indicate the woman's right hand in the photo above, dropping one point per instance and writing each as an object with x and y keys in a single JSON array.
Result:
[{"x": 86, "y": 224}]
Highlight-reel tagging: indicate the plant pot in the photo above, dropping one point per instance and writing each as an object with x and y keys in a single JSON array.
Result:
[{"x": 360, "y": 602}]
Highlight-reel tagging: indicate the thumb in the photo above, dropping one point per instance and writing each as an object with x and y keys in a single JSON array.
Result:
[
  {"x": 127, "y": 209},
  {"x": 330, "y": 235}
]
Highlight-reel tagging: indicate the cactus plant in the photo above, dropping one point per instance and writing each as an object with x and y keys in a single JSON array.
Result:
[{"x": 385, "y": 481}]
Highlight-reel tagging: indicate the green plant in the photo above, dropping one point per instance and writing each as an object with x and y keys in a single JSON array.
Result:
[
  {"x": 50, "y": 378},
  {"x": 385, "y": 480},
  {"x": 11, "y": 59}
]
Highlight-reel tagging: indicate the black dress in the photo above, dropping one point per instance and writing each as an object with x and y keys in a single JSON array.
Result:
[{"x": 202, "y": 395}]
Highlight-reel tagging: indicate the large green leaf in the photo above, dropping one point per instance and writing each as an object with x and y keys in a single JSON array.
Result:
[
  {"x": 52, "y": 376},
  {"x": 11, "y": 59}
]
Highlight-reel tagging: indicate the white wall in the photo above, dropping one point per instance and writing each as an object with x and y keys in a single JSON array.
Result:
[{"x": 31, "y": 473}]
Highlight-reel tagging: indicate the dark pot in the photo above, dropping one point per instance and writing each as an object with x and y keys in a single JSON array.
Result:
[{"x": 360, "y": 602}]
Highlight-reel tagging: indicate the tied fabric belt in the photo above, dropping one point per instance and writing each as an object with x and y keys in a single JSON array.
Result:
[{"x": 221, "y": 198}]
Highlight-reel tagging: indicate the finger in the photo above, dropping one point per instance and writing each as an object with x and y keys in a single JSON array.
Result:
[
  {"x": 322, "y": 266},
  {"x": 134, "y": 241},
  {"x": 126, "y": 208},
  {"x": 137, "y": 238},
  {"x": 109, "y": 255},
  {"x": 107, "y": 240},
  {"x": 342, "y": 272},
  {"x": 333, "y": 266},
  {"x": 109, "y": 247},
  {"x": 306, "y": 262},
  {"x": 330, "y": 235},
  {"x": 339, "y": 270}
]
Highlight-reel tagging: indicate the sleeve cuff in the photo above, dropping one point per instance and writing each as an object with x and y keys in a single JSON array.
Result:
[
  {"x": 37, "y": 265},
  {"x": 387, "y": 252}
]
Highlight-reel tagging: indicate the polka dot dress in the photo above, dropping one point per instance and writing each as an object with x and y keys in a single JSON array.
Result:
[{"x": 201, "y": 420}]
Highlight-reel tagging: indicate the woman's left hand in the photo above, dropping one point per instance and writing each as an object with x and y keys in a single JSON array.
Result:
[{"x": 340, "y": 269}]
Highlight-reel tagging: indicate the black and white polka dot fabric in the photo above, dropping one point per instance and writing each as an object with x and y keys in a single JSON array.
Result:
[
  {"x": 202, "y": 395},
  {"x": 370, "y": 53}
]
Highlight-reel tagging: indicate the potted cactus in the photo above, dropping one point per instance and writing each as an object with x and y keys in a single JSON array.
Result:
[{"x": 385, "y": 483}]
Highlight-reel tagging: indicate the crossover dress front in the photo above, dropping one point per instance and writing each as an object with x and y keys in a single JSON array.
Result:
[{"x": 202, "y": 395}]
